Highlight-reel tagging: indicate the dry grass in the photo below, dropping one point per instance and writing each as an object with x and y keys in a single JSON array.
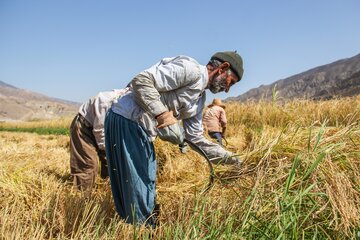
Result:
[
  {"x": 56, "y": 123},
  {"x": 300, "y": 180}
]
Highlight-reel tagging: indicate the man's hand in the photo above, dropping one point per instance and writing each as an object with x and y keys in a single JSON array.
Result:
[
  {"x": 183, "y": 147},
  {"x": 165, "y": 119},
  {"x": 172, "y": 133},
  {"x": 168, "y": 128},
  {"x": 232, "y": 160}
]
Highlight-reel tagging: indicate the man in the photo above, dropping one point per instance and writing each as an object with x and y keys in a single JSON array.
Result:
[
  {"x": 87, "y": 145},
  {"x": 214, "y": 120},
  {"x": 154, "y": 102}
]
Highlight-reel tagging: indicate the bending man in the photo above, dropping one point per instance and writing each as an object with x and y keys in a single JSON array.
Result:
[
  {"x": 154, "y": 102},
  {"x": 87, "y": 144}
]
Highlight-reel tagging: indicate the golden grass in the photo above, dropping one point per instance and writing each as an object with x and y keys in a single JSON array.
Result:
[
  {"x": 54, "y": 123},
  {"x": 300, "y": 179}
]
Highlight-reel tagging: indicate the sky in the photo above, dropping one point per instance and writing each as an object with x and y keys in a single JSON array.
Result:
[{"x": 73, "y": 49}]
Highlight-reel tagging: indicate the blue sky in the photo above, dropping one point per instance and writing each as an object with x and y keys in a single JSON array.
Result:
[{"x": 73, "y": 49}]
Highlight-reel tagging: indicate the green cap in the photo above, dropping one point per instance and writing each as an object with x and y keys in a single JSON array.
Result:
[{"x": 236, "y": 62}]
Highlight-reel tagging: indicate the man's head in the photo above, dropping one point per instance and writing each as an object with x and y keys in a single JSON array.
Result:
[
  {"x": 217, "y": 102},
  {"x": 225, "y": 69}
]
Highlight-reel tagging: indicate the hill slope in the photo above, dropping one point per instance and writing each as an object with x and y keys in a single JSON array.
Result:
[
  {"x": 337, "y": 79},
  {"x": 19, "y": 104}
]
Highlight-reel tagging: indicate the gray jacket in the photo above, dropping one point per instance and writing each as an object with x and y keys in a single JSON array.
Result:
[{"x": 176, "y": 84}]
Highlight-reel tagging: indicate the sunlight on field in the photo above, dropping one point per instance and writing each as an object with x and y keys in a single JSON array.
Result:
[
  {"x": 54, "y": 123},
  {"x": 300, "y": 179},
  {"x": 55, "y": 126}
]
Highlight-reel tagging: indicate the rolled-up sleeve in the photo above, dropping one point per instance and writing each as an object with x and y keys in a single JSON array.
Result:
[
  {"x": 168, "y": 75},
  {"x": 147, "y": 96}
]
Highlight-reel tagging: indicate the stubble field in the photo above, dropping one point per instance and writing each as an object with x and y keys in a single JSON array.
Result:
[{"x": 300, "y": 180}]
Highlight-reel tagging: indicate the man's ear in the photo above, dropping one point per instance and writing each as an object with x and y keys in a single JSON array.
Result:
[{"x": 225, "y": 66}]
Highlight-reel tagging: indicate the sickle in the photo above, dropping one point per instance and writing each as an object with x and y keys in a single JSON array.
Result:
[{"x": 211, "y": 177}]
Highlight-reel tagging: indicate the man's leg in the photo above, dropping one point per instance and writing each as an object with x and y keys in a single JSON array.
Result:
[
  {"x": 83, "y": 156},
  {"x": 217, "y": 136},
  {"x": 132, "y": 169}
]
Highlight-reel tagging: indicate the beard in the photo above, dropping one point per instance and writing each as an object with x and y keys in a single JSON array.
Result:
[{"x": 218, "y": 84}]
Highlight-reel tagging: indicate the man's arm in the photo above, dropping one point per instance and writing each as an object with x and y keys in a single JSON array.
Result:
[
  {"x": 223, "y": 122},
  {"x": 194, "y": 133},
  {"x": 168, "y": 75},
  {"x": 223, "y": 133},
  {"x": 147, "y": 96}
]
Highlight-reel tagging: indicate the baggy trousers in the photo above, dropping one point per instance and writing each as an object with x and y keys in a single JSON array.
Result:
[
  {"x": 84, "y": 155},
  {"x": 132, "y": 169}
]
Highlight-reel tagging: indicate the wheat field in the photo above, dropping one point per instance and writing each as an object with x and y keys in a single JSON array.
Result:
[{"x": 300, "y": 180}]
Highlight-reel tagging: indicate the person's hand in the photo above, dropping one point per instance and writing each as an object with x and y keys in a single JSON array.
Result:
[
  {"x": 172, "y": 133},
  {"x": 183, "y": 147},
  {"x": 165, "y": 119},
  {"x": 232, "y": 160}
]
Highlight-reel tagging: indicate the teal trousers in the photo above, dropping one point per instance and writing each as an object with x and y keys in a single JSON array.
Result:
[{"x": 132, "y": 169}]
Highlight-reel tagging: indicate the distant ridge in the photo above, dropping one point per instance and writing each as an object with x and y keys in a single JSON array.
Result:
[
  {"x": 338, "y": 79},
  {"x": 23, "y": 105},
  {"x": 3, "y": 84}
]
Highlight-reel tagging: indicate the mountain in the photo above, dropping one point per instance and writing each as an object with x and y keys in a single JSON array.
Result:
[
  {"x": 22, "y": 105},
  {"x": 337, "y": 79}
]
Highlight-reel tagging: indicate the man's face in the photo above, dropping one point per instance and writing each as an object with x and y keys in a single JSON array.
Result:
[
  {"x": 223, "y": 82},
  {"x": 218, "y": 84}
]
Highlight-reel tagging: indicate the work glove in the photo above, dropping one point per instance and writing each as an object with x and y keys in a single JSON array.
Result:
[
  {"x": 230, "y": 159},
  {"x": 183, "y": 147},
  {"x": 165, "y": 119},
  {"x": 172, "y": 133},
  {"x": 169, "y": 128}
]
